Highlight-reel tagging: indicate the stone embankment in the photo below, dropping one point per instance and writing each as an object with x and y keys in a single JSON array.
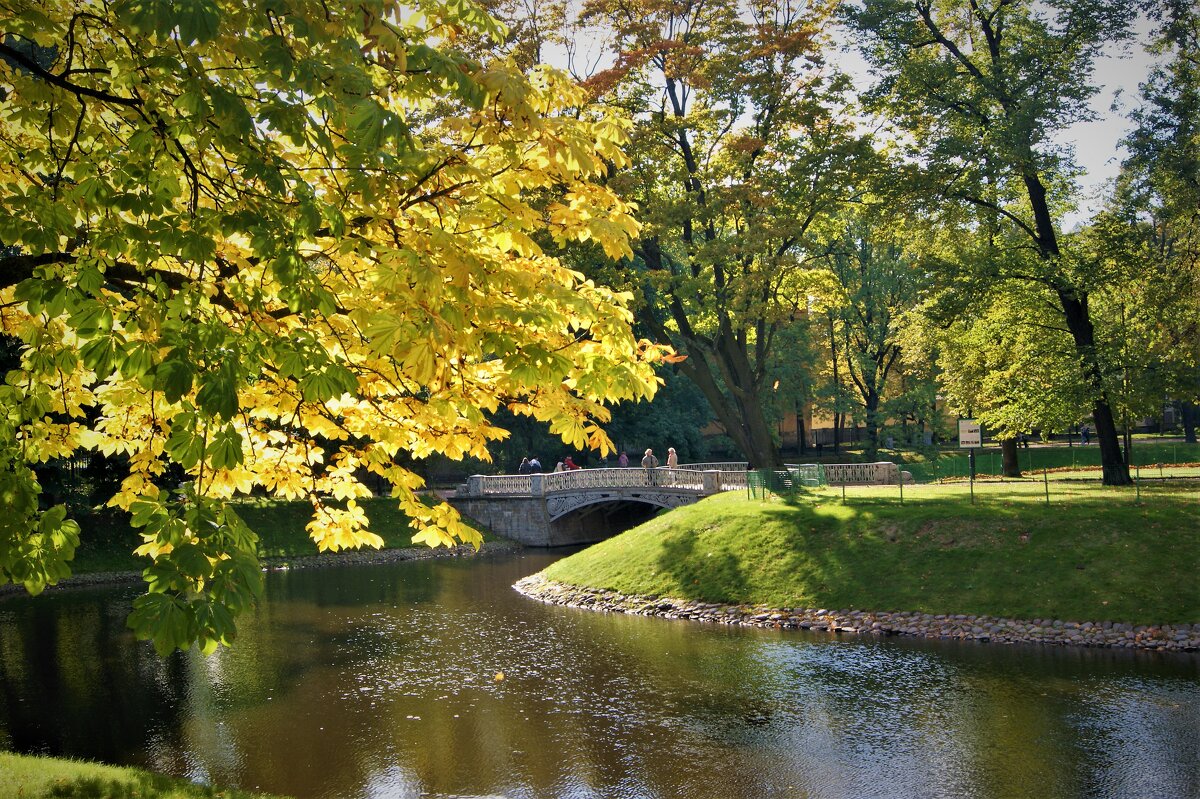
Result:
[{"x": 1162, "y": 637}]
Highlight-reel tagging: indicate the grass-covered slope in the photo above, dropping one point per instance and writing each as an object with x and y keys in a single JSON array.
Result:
[
  {"x": 1095, "y": 556},
  {"x": 38, "y": 777}
]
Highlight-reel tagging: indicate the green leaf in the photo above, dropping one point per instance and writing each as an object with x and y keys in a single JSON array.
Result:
[
  {"x": 100, "y": 355},
  {"x": 214, "y": 625},
  {"x": 218, "y": 394},
  {"x": 91, "y": 317},
  {"x": 184, "y": 446},
  {"x": 174, "y": 376},
  {"x": 291, "y": 361},
  {"x": 237, "y": 531},
  {"x": 225, "y": 450},
  {"x": 137, "y": 359},
  {"x": 238, "y": 580},
  {"x": 90, "y": 280},
  {"x": 162, "y": 619},
  {"x": 329, "y": 383},
  {"x": 198, "y": 20},
  {"x": 142, "y": 510},
  {"x": 191, "y": 561}
]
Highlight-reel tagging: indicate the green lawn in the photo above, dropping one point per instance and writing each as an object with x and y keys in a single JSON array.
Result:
[
  {"x": 47, "y": 778},
  {"x": 1092, "y": 553},
  {"x": 108, "y": 541}
]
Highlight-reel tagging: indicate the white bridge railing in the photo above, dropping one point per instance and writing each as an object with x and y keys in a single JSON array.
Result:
[
  {"x": 707, "y": 478},
  {"x": 708, "y": 481}
]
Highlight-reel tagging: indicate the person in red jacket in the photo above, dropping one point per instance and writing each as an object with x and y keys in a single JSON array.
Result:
[{"x": 570, "y": 464}]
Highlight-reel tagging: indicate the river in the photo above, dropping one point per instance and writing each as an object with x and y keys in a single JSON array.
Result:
[{"x": 435, "y": 679}]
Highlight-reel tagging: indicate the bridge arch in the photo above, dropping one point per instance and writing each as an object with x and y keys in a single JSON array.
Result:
[{"x": 560, "y": 505}]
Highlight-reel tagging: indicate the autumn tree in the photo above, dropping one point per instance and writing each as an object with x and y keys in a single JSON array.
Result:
[
  {"x": 270, "y": 247},
  {"x": 981, "y": 89},
  {"x": 741, "y": 150}
]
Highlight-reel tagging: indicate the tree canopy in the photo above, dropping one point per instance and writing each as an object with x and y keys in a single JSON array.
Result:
[
  {"x": 981, "y": 89},
  {"x": 267, "y": 247},
  {"x": 741, "y": 151}
]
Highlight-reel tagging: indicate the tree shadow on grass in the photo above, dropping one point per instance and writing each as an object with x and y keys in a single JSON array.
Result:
[
  {"x": 711, "y": 576},
  {"x": 1006, "y": 552}
]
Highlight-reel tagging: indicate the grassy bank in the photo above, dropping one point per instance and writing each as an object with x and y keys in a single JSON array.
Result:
[
  {"x": 108, "y": 541},
  {"x": 38, "y": 777},
  {"x": 1092, "y": 554}
]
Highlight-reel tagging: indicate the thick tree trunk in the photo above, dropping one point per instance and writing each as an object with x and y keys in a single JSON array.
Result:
[
  {"x": 1008, "y": 458},
  {"x": 871, "y": 404},
  {"x": 738, "y": 411},
  {"x": 837, "y": 386},
  {"x": 1188, "y": 411},
  {"x": 721, "y": 367},
  {"x": 1115, "y": 468},
  {"x": 1074, "y": 304}
]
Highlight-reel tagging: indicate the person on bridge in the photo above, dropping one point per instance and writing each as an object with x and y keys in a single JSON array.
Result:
[
  {"x": 672, "y": 458},
  {"x": 570, "y": 464},
  {"x": 524, "y": 467},
  {"x": 623, "y": 461},
  {"x": 650, "y": 463},
  {"x": 559, "y": 467},
  {"x": 535, "y": 466}
]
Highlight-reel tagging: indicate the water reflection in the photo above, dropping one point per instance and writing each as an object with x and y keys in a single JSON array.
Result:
[{"x": 383, "y": 682}]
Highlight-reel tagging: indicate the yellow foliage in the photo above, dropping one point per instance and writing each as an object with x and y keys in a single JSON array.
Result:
[{"x": 270, "y": 279}]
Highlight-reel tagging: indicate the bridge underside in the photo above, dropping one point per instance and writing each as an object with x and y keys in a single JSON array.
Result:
[{"x": 600, "y": 520}]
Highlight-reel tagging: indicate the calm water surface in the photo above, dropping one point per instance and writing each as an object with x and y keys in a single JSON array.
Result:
[{"x": 381, "y": 681}]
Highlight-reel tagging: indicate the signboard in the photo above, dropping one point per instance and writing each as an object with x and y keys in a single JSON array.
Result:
[{"x": 969, "y": 433}]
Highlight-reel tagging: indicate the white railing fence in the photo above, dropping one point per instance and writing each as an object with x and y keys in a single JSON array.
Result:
[
  {"x": 704, "y": 477},
  {"x": 709, "y": 481},
  {"x": 880, "y": 473}
]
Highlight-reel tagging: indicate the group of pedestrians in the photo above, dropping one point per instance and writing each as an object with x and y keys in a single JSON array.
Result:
[
  {"x": 531, "y": 465},
  {"x": 649, "y": 461}
]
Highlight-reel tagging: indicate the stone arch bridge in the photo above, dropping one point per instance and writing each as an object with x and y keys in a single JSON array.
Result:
[{"x": 586, "y": 505}]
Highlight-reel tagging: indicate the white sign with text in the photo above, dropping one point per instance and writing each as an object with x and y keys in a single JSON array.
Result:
[{"x": 969, "y": 433}]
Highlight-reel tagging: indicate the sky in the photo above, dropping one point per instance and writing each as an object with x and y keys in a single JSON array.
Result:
[{"x": 1097, "y": 144}]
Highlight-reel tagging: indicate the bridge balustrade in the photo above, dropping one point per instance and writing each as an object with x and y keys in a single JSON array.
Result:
[
  {"x": 719, "y": 466},
  {"x": 708, "y": 481}
]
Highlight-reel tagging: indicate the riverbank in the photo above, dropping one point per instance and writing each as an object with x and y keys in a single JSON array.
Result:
[
  {"x": 312, "y": 561},
  {"x": 1095, "y": 569},
  {"x": 33, "y": 776},
  {"x": 106, "y": 556}
]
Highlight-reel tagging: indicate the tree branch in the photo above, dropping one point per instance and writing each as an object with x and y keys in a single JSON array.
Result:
[{"x": 58, "y": 80}]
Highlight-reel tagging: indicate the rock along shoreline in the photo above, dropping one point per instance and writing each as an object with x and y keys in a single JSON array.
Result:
[{"x": 1161, "y": 637}]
